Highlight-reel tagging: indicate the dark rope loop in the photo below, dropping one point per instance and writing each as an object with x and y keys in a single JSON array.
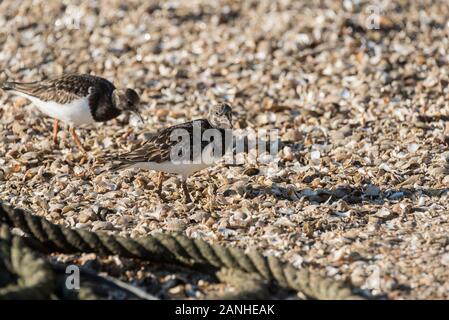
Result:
[{"x": 177, "y": 249}]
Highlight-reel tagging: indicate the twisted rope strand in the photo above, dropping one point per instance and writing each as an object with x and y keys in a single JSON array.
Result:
[{"x": 176, "y": 249}]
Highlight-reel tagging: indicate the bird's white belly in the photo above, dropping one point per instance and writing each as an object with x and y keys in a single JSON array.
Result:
[
  {"x": 76, "y": 112},
  {"x": 184, "y": 169}
]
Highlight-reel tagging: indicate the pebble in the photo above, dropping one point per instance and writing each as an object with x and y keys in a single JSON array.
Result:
[{"x": 362, "y": 166}]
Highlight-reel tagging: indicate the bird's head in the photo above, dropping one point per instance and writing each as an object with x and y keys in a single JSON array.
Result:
[
  {"x": 220, "y": 116},
  {"x": 126, "y": 100}
]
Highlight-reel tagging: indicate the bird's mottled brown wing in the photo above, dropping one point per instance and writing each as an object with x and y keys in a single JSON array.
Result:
[
  {"x": 60, "y": 90},
  {"x": 160, "y": 146}
]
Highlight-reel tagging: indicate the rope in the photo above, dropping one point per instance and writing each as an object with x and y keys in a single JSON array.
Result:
[
  {"x": 175, "y": 249},
  {"x": 36, "y": 280},
  {"x": 26, "y": 275},
  {"x": 249, "y": 285}
]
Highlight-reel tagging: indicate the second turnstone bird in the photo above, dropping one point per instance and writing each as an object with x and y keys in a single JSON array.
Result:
[
  {"x": 183, "y": 149},
  {"x": 76, "y": 99}
]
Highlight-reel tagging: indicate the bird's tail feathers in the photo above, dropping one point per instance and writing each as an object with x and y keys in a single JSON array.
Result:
[
  {"x": 24, "y": 87},
  {"x": 117, "y": 162},
  {"x": 122, "y": 165},
  {"x": 6, "y": 85},
  {"x": 18, "y": 86},
  {"x": 3, "y": 79}
]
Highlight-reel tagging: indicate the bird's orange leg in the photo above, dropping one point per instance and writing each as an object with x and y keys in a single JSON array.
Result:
[
  {"x": 187, "y": 197},
  {"x": 77, "y": 140},
  {"x": 55, "y": 131},
  {"x": 160, "y": 181}
]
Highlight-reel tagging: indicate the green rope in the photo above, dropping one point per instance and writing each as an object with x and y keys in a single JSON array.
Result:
[
  {"x": 175, "y": 249},
  {"x": 34, "y": 274}
]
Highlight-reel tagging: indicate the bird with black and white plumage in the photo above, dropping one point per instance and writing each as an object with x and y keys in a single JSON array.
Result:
[
  {"x": 76, "y": 99},
  {"x": 182, "y": 149}
]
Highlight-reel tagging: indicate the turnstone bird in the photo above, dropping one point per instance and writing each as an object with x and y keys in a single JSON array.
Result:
[
  {"x": 76, "y": 99},
  {"x": 183, "y": 149}
]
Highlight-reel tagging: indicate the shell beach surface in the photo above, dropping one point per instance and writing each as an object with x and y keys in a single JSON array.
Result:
[{"x": 359, "y": 187}]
